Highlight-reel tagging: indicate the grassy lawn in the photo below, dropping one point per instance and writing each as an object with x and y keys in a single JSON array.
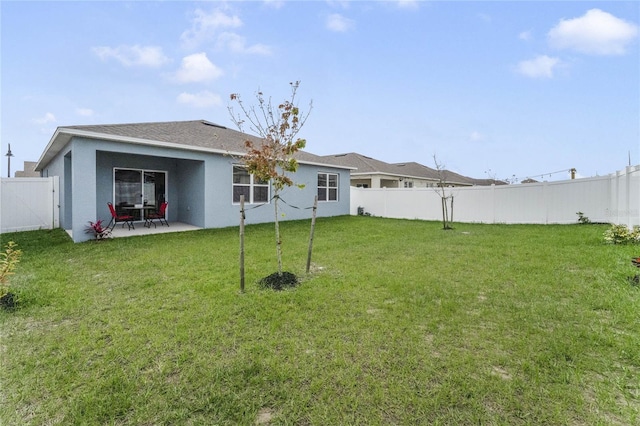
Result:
[{"x": 398, "y": 323}]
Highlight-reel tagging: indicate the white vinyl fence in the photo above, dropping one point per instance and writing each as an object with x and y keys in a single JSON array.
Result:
[
  {"x": 28, "y": 204},
  {"x": 612, "y": 199},
  {"x": 33, "y": 203}
]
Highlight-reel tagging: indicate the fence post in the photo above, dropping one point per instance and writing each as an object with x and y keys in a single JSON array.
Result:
[
  {"x": 493, "y": 202},
  {"x": 545, "y": 201},
  {"x": 617, "y": 197},
  {"x": 628, "y": 197},
  {"x": 385, "y": 195},
  {"x": 1, "y": 204},
  {"x": 56, "y": 201},
  {"x": 242, "y": 243}
]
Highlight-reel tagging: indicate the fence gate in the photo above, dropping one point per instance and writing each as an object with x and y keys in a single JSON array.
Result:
[{"x": 28, "y": 204}]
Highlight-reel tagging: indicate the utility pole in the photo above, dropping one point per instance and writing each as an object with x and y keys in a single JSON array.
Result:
[{"x": 9, "y": 155}]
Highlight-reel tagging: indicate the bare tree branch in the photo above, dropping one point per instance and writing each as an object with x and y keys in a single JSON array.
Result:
[{"x": 273, "y": 159}]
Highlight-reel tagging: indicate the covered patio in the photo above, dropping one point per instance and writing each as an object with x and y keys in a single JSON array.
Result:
[{"x": 140, "y": 229}]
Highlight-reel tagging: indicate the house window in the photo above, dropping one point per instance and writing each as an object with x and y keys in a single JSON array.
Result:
[
  {"x": 408, "y": 184},
  {"x": 327, "y": 187},
  {"x": 254, "y": 190}
]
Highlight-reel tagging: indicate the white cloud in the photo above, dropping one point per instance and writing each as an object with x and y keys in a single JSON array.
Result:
[
  {"x": 408, "y": 4},
  {"x": 541, "y": 66},
  {"x": 148, "y": 56},
  {"x": 85, "y": 112},
  {"x": 476, "y": 136},
  {"x": 205, "y": 26},
  {"x": 215, "y": 26},
  {"x": 237, "y": 44},
  {"x": 485, "y": 17},
  {"x": 525, "y": 35},
  {"x": 200, "y": 100},
  {"x": 47, "y": 118},
  {"x": 276, "y": 4},
  {"x": 338, "y": 23},
  {"x": 197, "y": 68},
  {"x": 596, "y": 33}
]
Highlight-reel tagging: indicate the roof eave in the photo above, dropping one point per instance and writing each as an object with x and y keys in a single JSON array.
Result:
[
  {"x": 46, "y": 154},
  {"x": 333, "y": 166},
  {"x": 396, "y": 175},
  {"x": 63, "y": 135}
]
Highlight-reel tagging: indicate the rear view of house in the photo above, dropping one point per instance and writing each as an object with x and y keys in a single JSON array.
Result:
[{"x": 194, "y": 166}]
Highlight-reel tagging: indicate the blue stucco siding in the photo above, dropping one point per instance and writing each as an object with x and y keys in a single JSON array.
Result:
[
  {"x": 296, "y": 202},
  {"x": 189, "y": 204},
  {"x": 199, "y": 185},
  {"x": 218, "y": 192},
  {"x": 66, "y": 209},
  {"x": 83, "y": 188}
]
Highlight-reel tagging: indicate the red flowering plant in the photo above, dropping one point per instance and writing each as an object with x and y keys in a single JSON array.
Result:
[{"x": 99, "y": 232}]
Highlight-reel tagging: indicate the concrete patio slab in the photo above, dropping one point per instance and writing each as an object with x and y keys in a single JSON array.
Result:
[{"x": 140, "y": 229}]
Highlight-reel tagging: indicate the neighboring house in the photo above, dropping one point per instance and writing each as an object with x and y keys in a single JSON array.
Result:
[
  {"x": 29, "y": 170},
  {"x": 196, "y": 166},
  {"x": 371, "y": 173}
]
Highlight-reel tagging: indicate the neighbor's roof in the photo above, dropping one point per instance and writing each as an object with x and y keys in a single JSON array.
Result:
[
  {"x": 417, "y": 169},
  {"x": 367, "y": 166},
  {"x": 363, "y": 164},
  {"x": 198, "y": 135}
]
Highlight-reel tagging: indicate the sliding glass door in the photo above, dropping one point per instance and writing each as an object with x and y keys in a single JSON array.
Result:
[
  {"x": 136, "y": 190},
  {"x": 127, "y": 185}
]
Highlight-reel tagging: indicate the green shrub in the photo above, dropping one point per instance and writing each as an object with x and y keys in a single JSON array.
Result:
[
  {"x": 582, "y": 219},
  {"x": 621, "y": 234},
  {"x": 9, "y": 258}
]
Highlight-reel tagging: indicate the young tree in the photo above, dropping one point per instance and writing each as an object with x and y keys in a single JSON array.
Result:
[
  {"x": 273, "y": 158},
  {"x": 446, "y": 218}
]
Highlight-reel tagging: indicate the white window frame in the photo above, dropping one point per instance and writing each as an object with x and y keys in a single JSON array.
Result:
[
  {"x": 328, "y": 188},
  {"x": 252, "y": 185},
  {"x": 142, "y": 171}
]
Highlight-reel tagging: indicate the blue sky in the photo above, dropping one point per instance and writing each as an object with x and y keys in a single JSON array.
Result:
[{"x": 498, "y": 89}]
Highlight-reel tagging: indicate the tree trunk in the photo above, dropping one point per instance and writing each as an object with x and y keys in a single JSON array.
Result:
[
  {"x": 313, "y": 227},
  {"x": 278, "y": 241}
]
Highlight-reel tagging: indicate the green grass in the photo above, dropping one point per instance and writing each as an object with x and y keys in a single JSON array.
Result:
[{"x": 399, "y": 322}]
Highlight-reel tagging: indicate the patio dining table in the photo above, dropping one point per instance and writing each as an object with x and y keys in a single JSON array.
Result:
[{"x": 146, "y": 208}]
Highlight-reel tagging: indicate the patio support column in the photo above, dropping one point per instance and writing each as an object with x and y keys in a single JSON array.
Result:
[
  {"x": 83, "y": 184},
  {"x": 375, "y": 182}
]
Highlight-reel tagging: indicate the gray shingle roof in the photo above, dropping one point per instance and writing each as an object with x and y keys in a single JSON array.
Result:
[
  {"x": 368, "y": 165},
  {"x": 362, "y": 163},
  {"x": 196, "y": 134},
  {"x": 417, "y": 169}
]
